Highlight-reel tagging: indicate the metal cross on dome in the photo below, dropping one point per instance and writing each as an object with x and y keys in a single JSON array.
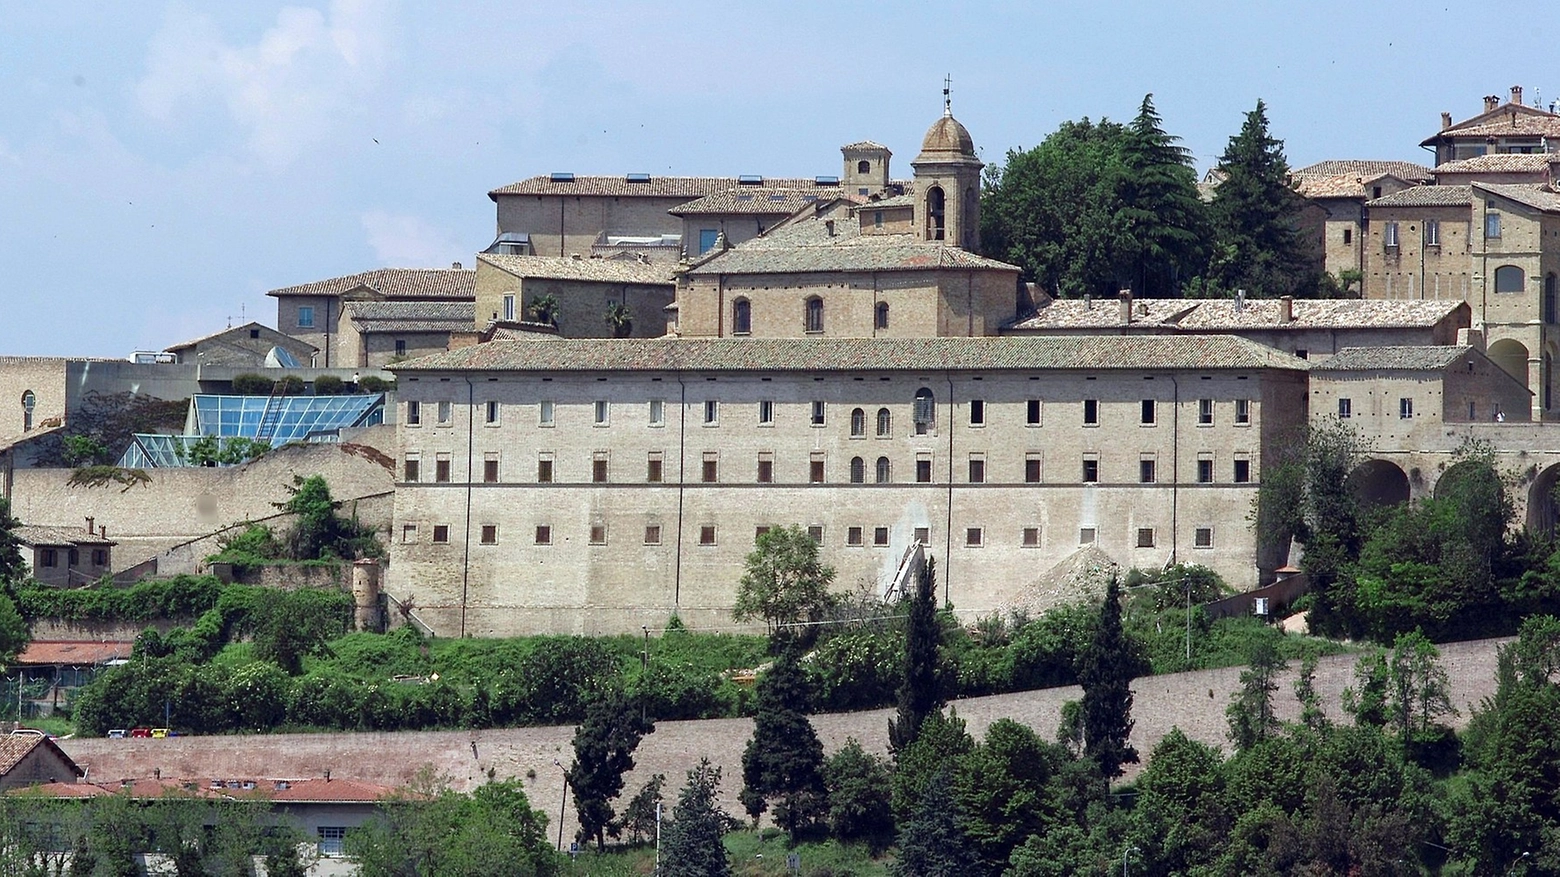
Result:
[{"x": 947, "y": 101}]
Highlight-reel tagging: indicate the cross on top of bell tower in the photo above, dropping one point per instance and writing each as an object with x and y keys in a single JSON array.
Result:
[{"x": 947, "y": 101}]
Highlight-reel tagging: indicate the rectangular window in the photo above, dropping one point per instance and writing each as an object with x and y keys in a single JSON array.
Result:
[
  {"x": 414, "y": 414},
  {"x": 711, "y": 412},
  {"x": 413, "y": 466},
  {"x": 1145, "y": 537},
  {"x": 711, "y": 469},
  {"x": 598, "y": 467},
  {"x": 973, "y": 537},
  {"x": 815, "y": 469},
  {"x": 408, "y": 533},
  {"x": 880, "y": 536},
  {"x": 509, "y": 308},
  {"x": 441, "y": 532},
  {"x": 766, "y": 468},
  {"x": 977, "y": 412},
  {"x": 489, "y": 534},
  {"x": 603, "y": 411},
  {"x": 759, "y": 531},
  {"x": 490, "y": 469},
  {"x": 923, "y": 535},
  {"x": 1147, "y": 418},
  {"x": 598, "y": 534},
  {"x": 441, "y": 469},
  {"x": 99, "y": 557},
  {"x": 1091, "y": 471},
  {"x": 1492, "y": 225},
  {"x": 1406, "y": 408},
  {"x": 923, "y": 470},
  {"x": 49, "y": 558},
  {"x": 1086, "y": 535},
  {"x": 1242, "y": 473},
  {"x": 853, "y": 536},
  {"x": 1202, "y": 537},
  {"x": 815, "y": 533},
  {"x": 657, "y": 412},
  {"x": 1205, "y": 412},
  {"x": 1348, "y": 235},
  {"x": 1432, "y": 232},
  {"x": 817, "y": 412},
  {"x": 544, "y": 470},
  {"x": 1031, "y": 537},
  {"x": 400, "y": 348},
  {"x": 543, "y": 534},
  {"x": 1345, "y": 409},
  {"x": 652, "y": 534},
  {"x": 1032, "y": 470},
  {"x": 977, "y": 469},
  {"x": 445, "y": 413},
  {"x": 332, "y": 839},
  {"x": 306, "y": 317},
  {"x": 1091, "y": 412},
  {"x": 1242, "y": 410},
  {"x": 766, "y": 412},
  {"x": 1205, "y": 471},
  {"x": 1146, "y": 472},
  {"x": 1032, "y": 412},
  {"x": 707, "y": 534},
  {"x": 653, "y": 468},
  {"x": 490, "y": 415},
  {"x": 544, "y": 414},
  {"x": 1389, "y": 235}
]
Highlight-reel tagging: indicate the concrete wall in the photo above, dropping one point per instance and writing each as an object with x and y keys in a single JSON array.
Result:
[{"x": 561, "y": 225}]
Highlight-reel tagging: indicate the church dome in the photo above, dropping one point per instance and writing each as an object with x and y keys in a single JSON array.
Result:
[{"x": 947, "y": 138}]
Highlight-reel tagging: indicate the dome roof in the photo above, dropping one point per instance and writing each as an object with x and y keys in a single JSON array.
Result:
[{"x": 947, "y": 138}]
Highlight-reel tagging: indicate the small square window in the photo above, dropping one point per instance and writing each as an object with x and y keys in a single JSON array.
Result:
[
  {"x": 445, "y": 413},
  {"x": 653, "y": 469},
  {"x": 1242, "y": 471},
  {"x": 1205, "y": 412},
  {"x": 1205, "y": 471},
  {"x": 657, "y": 412},
  {"x": 923, "y": 535},
  {"x": 880, "y": 536},
  {"x": 766, "y": 469},
  {"x": 1146, "y": 471},
  {"x": 1032, "y": 470},
  {"x": 306, "y": 317},
  {"x": 598, "y": 469},
  {"x": 413, "y": 413},
  {"x": 766, "y": 412},
  {"x": 603, "y": 412},
  {"x": 653, "y": 534},
  {"x": 1345, "y": 409},
  {"x": 543, "y": 534},
  {"x": 817, "y": 413},
  {"x": 977, "y": 412},
  {"x": 711, "y": 412},
  {"x": 973, "y": 536},
  {"x": 923, "y": 471},
  {"x": 853, "y": 536},
  {"x": 1091, "y": 412},
  {"x": 408, "y": 533},
  {"x": 544, "y": 414},
  {"x": 489, "y": 534},
  {"x": 759, "y": 531},
  {"x": 815, "y": 533},
  {"x": 1031, "y": 537},
  {"x": 815, "y": 470},
  {"x": 1242, "y": 410},
  {"x": 490, "y": 416},
  {"x": 490, "y": 470},
  {"x": 598, "y": 534},
  {"x": 544, "y": 471},
  {"x": 711, "y": 470},
  {"x": 1086, "y": 536},
  {"x": 1147, "y": 417},
  {"x": 1032, "y": 412},
  {"x": 1202, "y": 537},
  {"x": 977, "y": 470},
  {"x": 1145, "y": 537},
  {"x": 441, "y": 532},
  {"x": 1406, "y": 409},
  {"x": 1091, "y": 471}
]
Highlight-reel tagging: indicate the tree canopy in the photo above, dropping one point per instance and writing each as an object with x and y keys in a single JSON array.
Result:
[{"x": 785, "y": 583}]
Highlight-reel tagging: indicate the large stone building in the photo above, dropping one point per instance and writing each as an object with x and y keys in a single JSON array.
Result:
[{"x": 313, "y": 312}]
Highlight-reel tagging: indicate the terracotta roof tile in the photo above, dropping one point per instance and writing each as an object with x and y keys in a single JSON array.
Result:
[
  {"x": 17, "y": 746},
  {"x": 78, "y": 652},
  {"x": 1222, "y": 315},
  {"x": 40, "y": 534},
  {"x": 1390, "y": 358},
  {"x": 1426, "y": 196},
  {"x": 863, "y": 144},
  {"x": 411, "y": 316},
  {"x": 1504, "y": 162},
  {"x": 408, "y": 283},
  {"x": 593, "y": 270},
  {"x": 1404, "y": 170},
  {"x": 1503, "y": 121},
  {"x": 860, "y": 257},
  {"x": 750, "y": 199},
  {"x": 654, "y": 187},
  {"x": 1538, "y": 197}
]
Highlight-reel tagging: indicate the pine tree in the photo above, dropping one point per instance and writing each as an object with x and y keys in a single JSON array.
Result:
[
  {"x": 920, "y": 695},
  {"x": 784, "y": 758},
  {"x": 1255, "y": 215},
  {"x": 12, "y": 567},
  {"x": 604, "y": 747},
  {"x": 691, "y": 846},
  {"x": 932, "y": 842},
  {"x": 1250, "y": 713},
  {"x": 1106, "y": 677},
  {"x": 1162, "y": 220}
]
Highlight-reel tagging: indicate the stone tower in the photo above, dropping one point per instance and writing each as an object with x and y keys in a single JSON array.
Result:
[
  {"x": 866, "y": 167},
  {"x": 947, "y": 184}
]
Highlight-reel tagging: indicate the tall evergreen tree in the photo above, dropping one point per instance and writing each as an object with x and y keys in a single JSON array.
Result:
[
  {"x": 1255, "y": 215},
  {"x": 920, "y": 694},
  {"x": 1162, "y": 223},
  {"x": 12, "y": 567},
  {"x": 784, "y": 758},
  {"x": 932, "y": 842},
  {"x": 1106, "y": 676},
  {"x": 1250, "y": 713},
  {"x": 691, "y": 845},
  {"x": 604, "y": 747}
]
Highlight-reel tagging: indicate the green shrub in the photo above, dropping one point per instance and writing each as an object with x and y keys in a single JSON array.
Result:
[
  {"x": 291, "y": 385},
  {"x": 374, "y": 384},
  {"x": 250, "y": 384},
  {"x": 329, "y": 385}
]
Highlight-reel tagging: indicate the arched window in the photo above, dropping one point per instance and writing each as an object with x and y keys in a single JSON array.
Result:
[
  {"x": 882, "y": 315},
  {"x": 1508, "y": 278},
  {"x": 863, "y": 167},
  {"x": 885, "y": 423},
  {"x": 29, "y": 402},
  {"x": 741, "y": 316},
  {"x": 858, "y": 470},
  {"x": 925, "y": 414},
  {"x": 935, "y": 219},
  {"x": 883, "y": 472},
  {"x": 858, "y": 423},
  {"x": 814, "y": 314}
]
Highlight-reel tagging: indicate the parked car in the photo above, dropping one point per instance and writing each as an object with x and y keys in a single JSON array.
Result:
[
  {"x": 116, "y": 734},
  {"x": 159, "y": 733},
  {"x": 141, "y": 733}
]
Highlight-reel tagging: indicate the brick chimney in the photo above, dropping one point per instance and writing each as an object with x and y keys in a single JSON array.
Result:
[
  {"x": 1126, "y": 305},
  {"x": 1491, "y": 101},
  {"x": 1286, "y": 309},
  {"x": 1446, "y": 120},
  {"x": 90, "y": 529},
  {"x": 1516, "y": 94}
]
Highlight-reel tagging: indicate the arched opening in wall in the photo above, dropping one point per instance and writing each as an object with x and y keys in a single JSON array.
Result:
[
  {"x": 1378, "y": 483},
  {"x": 29, "y": 402},
  {"x": 863, "y": 167},
  {"x": 1550, "y": 303},
  {"x": 858, "y": 470},
  {"x": 1509, "y": 278},
  {"x": 858, "y": 423},
  {"x": 880, "y": 318},
  {"x": 884, "y": 472},
  {"x": 1512, "y": 357},
  {"x": 1543, "y": 507},
  {"x": 1453, "y": 474},
  {"x": 813, "y": 314},
  {"x": 936, "y": 218},
  {"x": 741, "y": 317},
  {"x": 885, "y": 425},
  {"x": 925, "y": 413}
]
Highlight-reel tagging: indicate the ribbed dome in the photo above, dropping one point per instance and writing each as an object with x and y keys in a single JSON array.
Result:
[{"x": 947, "y": 137}]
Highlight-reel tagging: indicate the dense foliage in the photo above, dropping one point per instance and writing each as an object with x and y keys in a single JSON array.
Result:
[{"x": 431, "y": 831}]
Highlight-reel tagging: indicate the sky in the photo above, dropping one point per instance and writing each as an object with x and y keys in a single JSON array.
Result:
[{"x": 163, "y": 165}]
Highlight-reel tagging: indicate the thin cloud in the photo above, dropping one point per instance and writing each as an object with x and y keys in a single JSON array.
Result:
[{"x": 403, "y": 240}]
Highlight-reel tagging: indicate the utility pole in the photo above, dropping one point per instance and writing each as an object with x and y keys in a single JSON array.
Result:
[{"x": 563, "y": 803}]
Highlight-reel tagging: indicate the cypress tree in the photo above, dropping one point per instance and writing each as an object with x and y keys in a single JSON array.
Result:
[
  {"x": 1106, "y": 676},
  {"x": 920, "y": 695},
  {"x": 1255, "y": 215},
  {"x": 932, "y": 842},
  {"x": 604, "y": 747},
  {"x": 1162, "y": 219},
  {"x": 691, "y": 846},
  {"x": 784, "y": 758}
]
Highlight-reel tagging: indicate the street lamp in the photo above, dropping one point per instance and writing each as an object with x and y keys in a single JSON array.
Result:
[
  {"x": 563, "y": 803},
  {"x": 1127, "y": 849}
]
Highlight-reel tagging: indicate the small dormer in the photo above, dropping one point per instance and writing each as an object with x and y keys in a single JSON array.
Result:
[{"x": 866, "y": 168}]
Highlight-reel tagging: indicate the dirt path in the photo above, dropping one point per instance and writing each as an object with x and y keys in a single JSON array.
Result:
[{"x": 1195, "y": 702}]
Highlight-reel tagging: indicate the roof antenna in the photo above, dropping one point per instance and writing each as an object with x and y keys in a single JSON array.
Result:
[{"x": 947, "y": 101}]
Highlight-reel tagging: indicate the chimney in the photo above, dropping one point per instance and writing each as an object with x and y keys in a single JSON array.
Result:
[
  {"x": 1088, "y": 302},
  {"x": 455, "y": 266},
  {"x": 1516, "y": 94},
  {"x": 829, "y": 224},
  {"x": 1491, "y": 101},
  {"x": 1286, "y": 309},
  {"x": 1240, "y": 301},
  {"x": 103, "y": 530},
  {"x": 1446, "y": 120},
  {"x": 1126, "y": 305},
  {"x": 90, "y": 529}
]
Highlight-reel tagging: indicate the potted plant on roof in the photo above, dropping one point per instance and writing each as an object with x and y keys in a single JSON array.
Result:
[{"x": 620, "y": 319}]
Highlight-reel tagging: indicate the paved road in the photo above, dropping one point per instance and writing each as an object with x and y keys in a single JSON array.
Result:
[{"x": 1193, "y": 701}]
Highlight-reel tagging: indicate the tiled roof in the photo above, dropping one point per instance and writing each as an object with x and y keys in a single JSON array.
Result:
[
  {"x": 749, "y": 199},
  {"x": 1077, "y": 313},
  {"x": 218, "y": 334},
  {"x": 1341, "y": 185},
  {"x": 1503, "y": 162},
  {"x": 1426, "y": 196},
  {"x": 277, "y": 791},
  {"x": 1223, "y": 315},
  {"x": 594, "y": 270},
  {"x": 895, "y": 256},
  {"x": 1069, "y": 352},
  {"x": 411, "y": 316},
  {"x": 409, "y": 283},
  {"x": 81, "y": 652},
  {"x": 17, "y": 746},
  {"x": 1392, "y": 358},
  {"x": 61, "y": 790},
  {"x": 895, "y": 201},
  {"x": 1537, "y": 197},
  {"x": 654, "y": 187},
  {"x": 864, "y": 144},
  {"x": 38, "y": 534},
  {"x": 1504, "y": 121},
  {"x": 1404, "y": 170}
]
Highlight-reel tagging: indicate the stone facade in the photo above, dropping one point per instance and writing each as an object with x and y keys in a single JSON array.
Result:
[
  {"x": 584, "y": 288},
  {"x": 32, "y": 392},
  {"x": 245, "y": 346}
]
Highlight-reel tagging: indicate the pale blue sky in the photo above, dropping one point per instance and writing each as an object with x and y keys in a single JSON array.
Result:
[{"x": 163, "y": 165}]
